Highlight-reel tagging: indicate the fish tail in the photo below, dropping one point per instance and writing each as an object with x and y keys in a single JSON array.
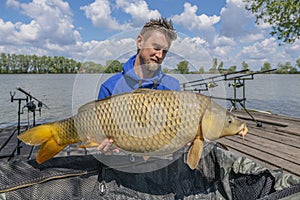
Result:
[{"x": 46, "y": 136}]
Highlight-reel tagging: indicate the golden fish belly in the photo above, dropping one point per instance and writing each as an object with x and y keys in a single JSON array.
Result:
[{"x": 150, "y": 122}]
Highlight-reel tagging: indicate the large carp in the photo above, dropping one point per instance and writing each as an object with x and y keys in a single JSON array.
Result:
[{"x": 143, "y": 122}]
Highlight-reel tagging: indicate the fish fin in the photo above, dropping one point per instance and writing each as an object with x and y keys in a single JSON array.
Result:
[
  {"x": 89, "y": 144},
  {"x": 43, "y": 135},
  {"x": 48, "y": 150},
  {"x": 195, "y": 152},
  {"x": 87, "y": 106},
  {"x": 143, "y": 90},
  {"x": 146, "y": 158},
  {"x": 37, "y": 135}
]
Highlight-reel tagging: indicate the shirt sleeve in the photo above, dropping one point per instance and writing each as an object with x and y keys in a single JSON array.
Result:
[
  {"x": 103, "y": 92},
  {"x": 177, "y": 87}
]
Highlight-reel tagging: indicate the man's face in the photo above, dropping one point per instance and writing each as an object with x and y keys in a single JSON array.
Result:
[{"x": 153, "y": 50}]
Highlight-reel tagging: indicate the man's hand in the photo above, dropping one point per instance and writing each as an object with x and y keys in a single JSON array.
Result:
[{"x": 106, "y": 147}]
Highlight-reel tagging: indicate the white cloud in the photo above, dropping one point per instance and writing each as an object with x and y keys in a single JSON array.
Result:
[
  {"x": 28, "y": 32},
  {"x": 139, "y": 11},
  {"x": 239, "y": 3},
  {"x": 252, "y": 38},
  {"x": 266, "y": 50},
  {"x": 7, "y": 33},
  {"x": 192, "y": 49},
  {"x": 200, "y": 24},
  {"x": 261, "y": 49},
  {"x": 224, "y": 41},
  {"x": 13, "y": 3},
  {"x": 236, "y": 20},
  {"x": 221, "y": 52},
  {"x": 192, "y": 21},
  {"x": 100, "y": 14},
  {"x": 110, "y": 49},
  {"x": 49, "y": 30},
  {"x": 51, "y": 23},
  {"x": 293, "y": 50}
]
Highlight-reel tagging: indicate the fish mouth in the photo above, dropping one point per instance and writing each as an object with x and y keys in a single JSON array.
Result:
[{"x": 243, "y": 131}]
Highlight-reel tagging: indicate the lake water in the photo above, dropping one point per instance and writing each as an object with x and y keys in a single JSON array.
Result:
[{"x": 64, "y": 93}]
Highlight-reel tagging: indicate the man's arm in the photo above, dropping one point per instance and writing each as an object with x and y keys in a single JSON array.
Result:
[{"x": 103, "y": 92}]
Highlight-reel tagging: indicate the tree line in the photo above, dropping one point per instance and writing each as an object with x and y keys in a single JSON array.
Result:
[
  {"x": 282, "y": 68},
  {"x": 33, "y": 64},
  {"x": 13, "y": 63}
]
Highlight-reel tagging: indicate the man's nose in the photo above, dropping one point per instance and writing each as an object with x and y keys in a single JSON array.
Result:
[{"x": 160, "y": 53}]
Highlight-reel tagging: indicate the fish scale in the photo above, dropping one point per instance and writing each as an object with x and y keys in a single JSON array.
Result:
[{"x": 155, "y": 117}]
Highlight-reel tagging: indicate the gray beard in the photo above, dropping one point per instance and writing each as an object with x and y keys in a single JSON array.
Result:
[{"x": 149, "y": 67}]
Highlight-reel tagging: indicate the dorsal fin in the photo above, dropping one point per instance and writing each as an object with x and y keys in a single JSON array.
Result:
[{"x": 143, "y": 90}]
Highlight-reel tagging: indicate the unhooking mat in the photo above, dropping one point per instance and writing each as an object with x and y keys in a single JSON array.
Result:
[{"x": 220, "y": 175}]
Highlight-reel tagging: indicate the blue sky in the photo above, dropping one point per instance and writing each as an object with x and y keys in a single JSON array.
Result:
[{"x": 100, "y": 30}]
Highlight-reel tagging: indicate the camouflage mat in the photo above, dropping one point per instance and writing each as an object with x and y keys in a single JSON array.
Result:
[{"x": 219, "y": 175}]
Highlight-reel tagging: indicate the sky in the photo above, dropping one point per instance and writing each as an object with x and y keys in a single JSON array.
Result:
[{"x": 101, "y": 30}]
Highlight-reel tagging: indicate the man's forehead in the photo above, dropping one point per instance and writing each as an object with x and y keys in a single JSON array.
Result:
[
  {"x": 156, "y": 37},
  {"x": 154, "y": 33}
]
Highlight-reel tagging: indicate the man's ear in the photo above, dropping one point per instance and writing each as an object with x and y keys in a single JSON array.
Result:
[{"x": 139, "y": 41}]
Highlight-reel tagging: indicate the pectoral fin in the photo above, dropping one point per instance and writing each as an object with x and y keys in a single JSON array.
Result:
[
  {"x": 195, "y": 152},
  {"x": 89, "y": 144},
  {"x": 146, "y": 158}
]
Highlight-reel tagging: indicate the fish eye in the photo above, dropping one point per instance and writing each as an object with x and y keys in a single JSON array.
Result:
[{"x": 229, "y": 120}]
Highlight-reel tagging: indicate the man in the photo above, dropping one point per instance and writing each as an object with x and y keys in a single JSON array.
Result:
[{"x": 143, "y": 70}]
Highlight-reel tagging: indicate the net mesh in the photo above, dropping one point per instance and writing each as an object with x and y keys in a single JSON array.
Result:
[{"x": 84, "y": 177}]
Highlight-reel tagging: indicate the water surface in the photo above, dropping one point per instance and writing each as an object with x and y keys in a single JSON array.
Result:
[{"x": 64, "y": 93}]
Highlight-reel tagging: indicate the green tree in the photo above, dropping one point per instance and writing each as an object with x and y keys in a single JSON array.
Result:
[
  {"x": 3, "y": 62},
  {"x": 232, "y": 69},
  {"x": 245, "y": 66},
  {"x": 293, "y": 70},
  {"x": 13, "y": 63},
  {"x": 165, "y": 70},
  {"x": 8, "y": 63},
  {"x": 286, "y": 68},
  {"x": 213, "y": 69},
  {"x": 183, "y": 67},
  {"x": 282, "y": 15},
  {"x": 298, "y": 63},
  {"x": 113, "y": 66},
  {"x": 266, "y": 66},
  {"x": 220, "y": 68},
  {"x": 201, "y": 70}
]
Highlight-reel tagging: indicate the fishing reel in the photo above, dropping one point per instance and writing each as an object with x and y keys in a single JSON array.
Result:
[
  {"x": 31, "y": 106},
  {"x": 236, "y": 84},
  {"x": 212, "y": 84}
]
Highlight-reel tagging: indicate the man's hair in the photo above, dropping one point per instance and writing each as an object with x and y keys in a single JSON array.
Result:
[{"x": 162, "y": 25}]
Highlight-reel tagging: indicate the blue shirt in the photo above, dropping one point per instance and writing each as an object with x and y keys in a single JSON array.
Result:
[{"x": 127, "y": 81}]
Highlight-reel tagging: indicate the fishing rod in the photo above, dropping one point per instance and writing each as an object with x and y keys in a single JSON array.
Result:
[
  {"x": 40, "y": 103},
  {"x": 213, "y": 77},
  {"x": 251, "y": 74},
  {"x": 238, "y": 81},
  {"x": 213, "y": 83},
  {"x": 30, "y": 105}
]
